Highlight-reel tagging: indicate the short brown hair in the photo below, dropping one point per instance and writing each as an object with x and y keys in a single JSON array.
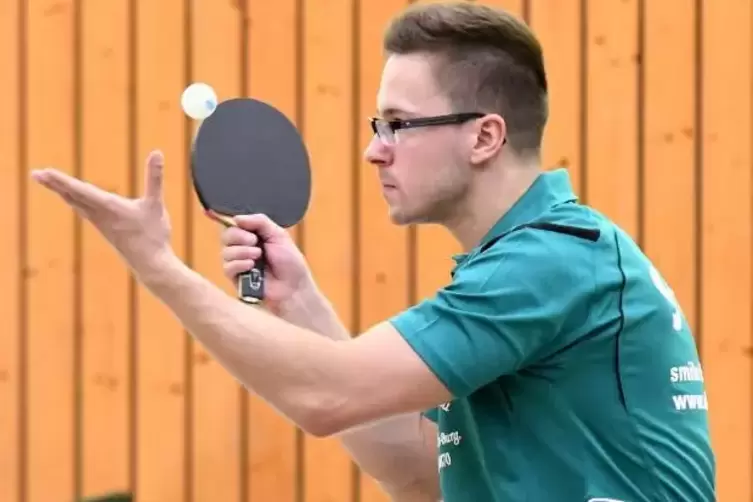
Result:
[{"x": 488, "y": 60}]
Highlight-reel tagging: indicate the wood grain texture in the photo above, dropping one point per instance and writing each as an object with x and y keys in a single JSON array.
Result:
[
  {"x": 102, "y": 390},
  {"x": 52, "y": 307},
  {"x": 13, "y": 256},
  {"x": 106, "y": 322}
]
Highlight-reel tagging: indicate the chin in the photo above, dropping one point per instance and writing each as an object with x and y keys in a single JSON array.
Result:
[
  {"x": 399, "y": 217},
  {"x": 402, "y": 217}
]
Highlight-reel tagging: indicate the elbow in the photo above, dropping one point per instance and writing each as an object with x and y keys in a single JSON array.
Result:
[
  {"x": 323, "y": 418},
  {"x": 319, "y": 426}
]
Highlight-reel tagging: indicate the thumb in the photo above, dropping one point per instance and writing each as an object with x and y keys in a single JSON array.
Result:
[
  {"x": 155, "y": 163},
  {"x": 261, "y": 225}
]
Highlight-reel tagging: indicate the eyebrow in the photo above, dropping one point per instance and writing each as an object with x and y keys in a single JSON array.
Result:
[{"x": 391, "y": 111}]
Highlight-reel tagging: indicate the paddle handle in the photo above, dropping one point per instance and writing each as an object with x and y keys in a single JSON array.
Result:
[{"x": 251, "y": 283}]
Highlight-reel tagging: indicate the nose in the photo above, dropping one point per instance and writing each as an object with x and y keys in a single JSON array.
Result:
[{"x": 377, "y": 152}]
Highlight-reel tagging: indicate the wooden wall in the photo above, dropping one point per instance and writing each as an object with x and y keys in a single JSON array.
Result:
[{"x": 100, "y": 388}]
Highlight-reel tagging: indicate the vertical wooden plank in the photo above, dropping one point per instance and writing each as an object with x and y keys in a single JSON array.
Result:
[
  {"x": 273, "y": 76},
  {"x": 50, "y": 255},
  {"x": 611, "y": 183},
  {"x": 726, "y": 295},
  {"x": 162, "y": 343},
  {"x": 328, "y": 229},
  {"x": 216, "y": 60},
  {"x": 383, "y": 257},
  {"x": 558, "y": 27},
  {"x": 669, "y": 146},
  {"x": 106, "y": 323},
  {"x": 10, "y": 256}
]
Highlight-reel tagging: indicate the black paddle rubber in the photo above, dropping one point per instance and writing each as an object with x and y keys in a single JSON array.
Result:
[{"x": 249, "y": 158}]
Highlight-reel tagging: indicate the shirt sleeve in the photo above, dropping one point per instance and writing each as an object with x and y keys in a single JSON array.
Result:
[
  {"x": 504, "y": 309},
  {"x": 432, "y": 414}
]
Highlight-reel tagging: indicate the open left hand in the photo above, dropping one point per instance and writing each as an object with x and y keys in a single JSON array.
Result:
[{"x": 139, "y": 229}]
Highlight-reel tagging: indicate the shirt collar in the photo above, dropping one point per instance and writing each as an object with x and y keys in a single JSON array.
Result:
[{"x": 549, "y": 189}]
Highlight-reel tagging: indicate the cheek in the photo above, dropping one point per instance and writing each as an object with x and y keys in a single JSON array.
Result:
[
  {"x": 422, "y": 159},
  {"x": 428, "y": 184},
  {"x": 419, "y": 176},
  {"x": 428, "y": 169}
]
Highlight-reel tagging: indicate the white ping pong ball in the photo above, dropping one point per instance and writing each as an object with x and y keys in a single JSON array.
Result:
[{"x": 198, "y": 101}]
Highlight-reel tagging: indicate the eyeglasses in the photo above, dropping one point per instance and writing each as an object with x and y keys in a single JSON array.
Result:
[{"x": 386, "y": 129}]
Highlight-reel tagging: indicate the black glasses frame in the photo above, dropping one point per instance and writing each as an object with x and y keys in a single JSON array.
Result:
[
  {"x": 447, "y": 119},
  {"x": 452, "y": 118}
]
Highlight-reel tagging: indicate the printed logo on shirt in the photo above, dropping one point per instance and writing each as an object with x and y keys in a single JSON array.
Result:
[{"x": 446, "y": 442}]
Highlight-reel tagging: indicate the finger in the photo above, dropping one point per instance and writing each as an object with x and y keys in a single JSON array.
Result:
[
  {"x": 81, "y": 205},
  {"x": 155, "y": 164},
  {"x": 234, "y": 236},
  {"x": 262, "y": 225},
  {"x": 232, "y": 269},
  {"x": 63, "y": 192},
  {"x": 77, "y": 191},
  {"x": 232, "y": 253},
  {"x": 78, "y": 208}
]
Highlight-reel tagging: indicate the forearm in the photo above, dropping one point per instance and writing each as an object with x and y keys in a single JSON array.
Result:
[
  {"x": 311, "y": 310},
  {"x": 396, "y": 452},
  {"x": 399, "y": 453},
  {"x": 293, "y": 369}
]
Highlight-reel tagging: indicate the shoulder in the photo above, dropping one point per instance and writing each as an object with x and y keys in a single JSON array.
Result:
[
  {"x": 509, "y": 302},
  {"x": 542, "y": 274},
  {"x": 550, "y": 252}
]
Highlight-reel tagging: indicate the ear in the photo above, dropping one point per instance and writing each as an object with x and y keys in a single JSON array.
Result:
[{"x": 491, "y": 131}]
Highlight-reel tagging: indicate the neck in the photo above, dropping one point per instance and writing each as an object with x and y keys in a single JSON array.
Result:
[{"x": 492, "y": 194}]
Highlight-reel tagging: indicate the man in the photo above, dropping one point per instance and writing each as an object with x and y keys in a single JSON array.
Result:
[{"x": 556, "y": 365}]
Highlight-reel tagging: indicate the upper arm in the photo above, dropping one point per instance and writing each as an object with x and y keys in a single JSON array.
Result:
[
  {"x": 501, "y": 311},
  {"x": 505, "y": 309}
]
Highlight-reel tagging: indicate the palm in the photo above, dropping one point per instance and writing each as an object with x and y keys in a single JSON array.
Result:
[
  {"x": 139, "y": 229},
  {"x": 129, "y": 224}
]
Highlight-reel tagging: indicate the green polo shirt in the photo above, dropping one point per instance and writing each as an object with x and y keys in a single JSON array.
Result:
[{"x": 574, "y": 374}]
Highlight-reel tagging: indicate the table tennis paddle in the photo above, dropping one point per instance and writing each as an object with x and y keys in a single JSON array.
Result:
[{"x": 249, "y": 158}]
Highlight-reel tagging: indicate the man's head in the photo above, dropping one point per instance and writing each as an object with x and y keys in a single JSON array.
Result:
[{"x": 455, "y": 58}]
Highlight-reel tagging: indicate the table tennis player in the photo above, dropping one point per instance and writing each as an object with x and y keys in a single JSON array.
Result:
[{"x": 556, "y": 365}]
